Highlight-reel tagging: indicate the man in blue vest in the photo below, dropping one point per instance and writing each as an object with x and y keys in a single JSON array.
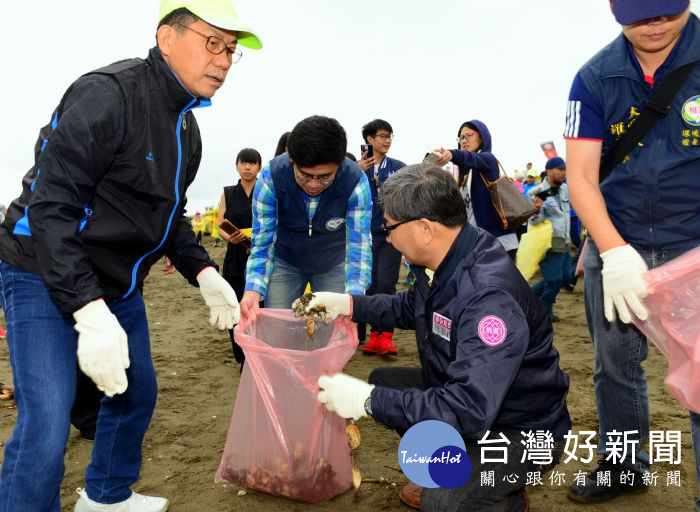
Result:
[
  {"x": 386, "y": 261},
  {"x": 645, "y": 213},
  {"x": 104, "y": 201},
  {"x": 312, "y": 209}
]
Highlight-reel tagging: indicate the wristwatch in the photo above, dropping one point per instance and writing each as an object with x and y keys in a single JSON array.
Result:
[{"x": 368, "y": 405}]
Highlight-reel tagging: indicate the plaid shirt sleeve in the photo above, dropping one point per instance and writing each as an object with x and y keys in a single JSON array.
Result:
[
  {"x": 358, "y": 245},
  {"x": 262, "y": 250}
]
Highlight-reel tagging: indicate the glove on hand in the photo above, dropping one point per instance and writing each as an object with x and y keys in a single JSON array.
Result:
[
  {"x": 344, "y": 395},
  {"x": 336, "y": 304},
  {"x": 623, "y": 284},
  {"x": 103, "y": 352},
  {"x": 220, "y": 297}
]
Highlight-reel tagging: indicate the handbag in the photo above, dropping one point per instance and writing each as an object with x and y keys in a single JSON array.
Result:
[{"x": 511, "y": 206}]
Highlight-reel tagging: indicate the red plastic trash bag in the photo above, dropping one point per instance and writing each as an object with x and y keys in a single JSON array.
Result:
[
  {"x": 673, "y": 324},
  {"x": 281, "y": 440}
]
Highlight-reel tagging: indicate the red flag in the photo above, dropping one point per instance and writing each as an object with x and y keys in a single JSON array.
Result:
[{"x": 549, "y": 150}]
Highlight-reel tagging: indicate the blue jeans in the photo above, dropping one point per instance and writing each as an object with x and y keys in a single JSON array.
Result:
[
  {"x": 43, "y": 346},
  {"x": 620, "y": 384},
  {"x": 557, "y": 270},
  {"x": 288, "y": 282}
]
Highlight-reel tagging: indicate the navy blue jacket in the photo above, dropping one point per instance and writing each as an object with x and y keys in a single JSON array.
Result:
[
  {"x": 484, "y": 163},
  {"x": 388, "y": 167},
  {"x": 316, "y": 246},
  {"x": 652, "y": 199},
  {"x": 477, "y": 293}
]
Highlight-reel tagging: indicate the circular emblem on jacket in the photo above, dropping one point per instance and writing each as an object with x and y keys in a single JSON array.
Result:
[
  {"x": 492, "y": 330},
  {"x": 334, "y": 223},
  {"x": 691, "y": 111}
]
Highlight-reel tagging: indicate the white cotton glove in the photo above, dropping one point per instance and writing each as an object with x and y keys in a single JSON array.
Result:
[
  {"x": 344, "y": 395},
  {"x": 623, "y": 284},
  {"x": 224, "y": 311},
  {"x": 103, "y": 352},
  {"x": 336, "y": 304}
]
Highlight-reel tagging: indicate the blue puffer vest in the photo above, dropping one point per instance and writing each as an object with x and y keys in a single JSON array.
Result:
[{"x": 315, "y": 246}]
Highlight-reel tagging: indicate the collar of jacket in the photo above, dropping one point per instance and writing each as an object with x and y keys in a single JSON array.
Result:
[
  {"x": 462, "y": 245},
  {"x": 617, "y": 61},
  {"x": 177, "y": 96}
]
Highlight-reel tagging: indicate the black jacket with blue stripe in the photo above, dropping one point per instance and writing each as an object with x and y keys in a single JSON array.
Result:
[{"x": 105, "y": 198}]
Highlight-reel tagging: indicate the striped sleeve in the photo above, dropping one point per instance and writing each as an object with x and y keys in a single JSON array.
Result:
[
  {"x": 358, "y": 245},
  {"x": 584, "y": 114},
  {"x": 262, "y": 251}
]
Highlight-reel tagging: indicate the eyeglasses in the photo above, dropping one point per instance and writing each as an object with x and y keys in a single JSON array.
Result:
[
  {"x": 323, "y": 179},
  {"x": 385, "y": 136},
  {"x": 466, "y": 136},
  {"x": 388, "y": 229},
  {"x": 217, "y": 46}
]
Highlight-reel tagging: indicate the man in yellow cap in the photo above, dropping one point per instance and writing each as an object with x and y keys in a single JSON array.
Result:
[{"x": 104, "y": 200}]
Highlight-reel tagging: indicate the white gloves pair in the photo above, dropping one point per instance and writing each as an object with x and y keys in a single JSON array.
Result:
[
  {"x": 224, "y": 311},
  {"x": 103, "y": 351},
  {"x": 344, "y": 395},
  {"x": 336, "y": 304},
  {"x": 623, "y": 285}
]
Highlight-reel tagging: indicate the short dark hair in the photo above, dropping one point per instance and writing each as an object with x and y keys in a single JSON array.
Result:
[
  {"x": 249, "y": 156},
  {"x": 371, "y": 128},
  {"x": 317, "y": 140},
  {"x": 423, "y": 191},
  {"x": 178, "y": 18},
  {"x": 282, "y": 144}
]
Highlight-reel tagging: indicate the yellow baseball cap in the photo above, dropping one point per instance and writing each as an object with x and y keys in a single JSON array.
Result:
[
  {"x": 533, "y": 173},
  {"x": 219, "y": 13}
]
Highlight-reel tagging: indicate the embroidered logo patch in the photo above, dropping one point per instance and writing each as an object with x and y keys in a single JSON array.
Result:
[
  {"x": 334, "y": 224},
  {"x": 492, "y": 330},
  {"x": 442, "y": 326},
  {"x": 691, "y": 111}
]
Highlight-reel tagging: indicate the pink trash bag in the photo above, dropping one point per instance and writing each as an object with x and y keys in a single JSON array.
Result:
[
  {"x": 673, "y": 324},
  {"x": 281, "y": 440}
]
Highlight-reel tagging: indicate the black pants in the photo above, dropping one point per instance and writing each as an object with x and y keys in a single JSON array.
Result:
[
  {"x": 386, "y": 263},
  {"x": 508, "y": 478},
  {"x": 86, "y": 407}
]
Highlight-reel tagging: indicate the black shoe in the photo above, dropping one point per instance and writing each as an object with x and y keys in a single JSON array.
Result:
[{"x": 591, "y": 492}]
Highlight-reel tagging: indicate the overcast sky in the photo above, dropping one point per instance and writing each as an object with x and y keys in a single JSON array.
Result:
[{"x": 425, "y": 67}]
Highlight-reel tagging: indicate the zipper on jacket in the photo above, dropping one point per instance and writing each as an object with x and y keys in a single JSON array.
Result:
[{"x": 181, "y": 124}]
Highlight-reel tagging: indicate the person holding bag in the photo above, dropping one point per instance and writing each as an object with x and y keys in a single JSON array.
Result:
[
  {"x": 640, "y": 207},
  {"x": 474, "y": 153}
]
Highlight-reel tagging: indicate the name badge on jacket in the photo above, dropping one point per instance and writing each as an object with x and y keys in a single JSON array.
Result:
[{"x": 442, "y": 326}]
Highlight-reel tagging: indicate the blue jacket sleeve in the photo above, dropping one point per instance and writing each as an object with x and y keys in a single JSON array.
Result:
[
  {"x": 385, "y": 310},
  {"x": 482, "y": 161},
  {"x": 478, "y": 378},
  {"x": 79, "y": 151}
]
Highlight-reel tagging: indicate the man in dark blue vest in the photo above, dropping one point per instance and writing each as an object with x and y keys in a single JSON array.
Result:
[
  {"x": 312, "y": 209},
  {"x": 645, "y": 213}
]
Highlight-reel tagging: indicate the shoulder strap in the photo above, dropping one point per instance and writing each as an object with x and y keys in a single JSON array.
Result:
[{"x": 656, "y": 108}]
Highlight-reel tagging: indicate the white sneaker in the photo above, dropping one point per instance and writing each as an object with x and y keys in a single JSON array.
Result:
[{"x": 135, "y": 503}]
